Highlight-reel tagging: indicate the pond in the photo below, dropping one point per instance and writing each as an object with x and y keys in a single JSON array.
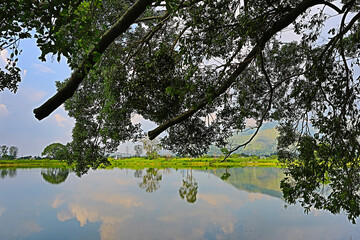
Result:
[{"x": 237, "y": 203}]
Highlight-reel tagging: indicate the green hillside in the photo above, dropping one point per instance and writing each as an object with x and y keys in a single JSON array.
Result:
[{"x": 263, "y": 144}]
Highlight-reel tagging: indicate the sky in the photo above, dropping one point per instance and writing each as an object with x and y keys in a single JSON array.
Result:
[{"x": 18, "y": 126}]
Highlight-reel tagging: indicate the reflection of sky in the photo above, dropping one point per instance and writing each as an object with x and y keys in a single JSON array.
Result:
[{"x": 109, "y": 204}]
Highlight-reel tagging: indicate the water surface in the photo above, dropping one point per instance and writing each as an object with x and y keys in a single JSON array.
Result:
[{"x": 241, "y": 203}]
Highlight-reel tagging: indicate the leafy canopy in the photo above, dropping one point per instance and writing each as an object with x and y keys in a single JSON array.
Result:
[
  {"x": 55, "y": 151},
  {"x": 199, "y": 69}
]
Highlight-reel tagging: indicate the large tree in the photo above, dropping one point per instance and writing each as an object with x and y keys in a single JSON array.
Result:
[
  {"x": 55, "y": 151},
  {"x": 13, "y": 151},
  {"x": 4, "y": 150},
  {"x": 199, "y": 69}
]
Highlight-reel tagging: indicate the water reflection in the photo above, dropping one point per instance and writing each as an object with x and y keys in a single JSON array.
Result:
[
  {"x": 55, "y": 175},
  {"x": 151, "y": 180},
  {"x": 138, "y": 173},
  {"x": 11, "y": 172},
  {"x": 226, "y": 175},
  {"x": 253, "y": 179},
  {"x": 109, "y": 204},
  {"x": 335, "y": 190},
  {"x": 189, "y": 188}
]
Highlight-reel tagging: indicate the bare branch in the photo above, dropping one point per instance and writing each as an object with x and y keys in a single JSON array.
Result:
[
  {"x": 334, "y": 40},
  {"x": 178, "y": 37},
  {"x": 334, "y": 7},
  {"x": 267, "y": 110}
]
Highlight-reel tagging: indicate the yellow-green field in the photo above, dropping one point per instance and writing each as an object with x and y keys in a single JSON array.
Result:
[{"x": 162, "y": 162}]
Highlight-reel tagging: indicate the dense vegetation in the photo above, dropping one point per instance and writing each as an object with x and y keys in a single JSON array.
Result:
[{"x": 8, "y": 153}]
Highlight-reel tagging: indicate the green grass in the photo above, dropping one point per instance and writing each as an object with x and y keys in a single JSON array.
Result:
[
  {"x": 32, "y": 163},
  {"x": 203, "y": 162},
  {"x": 162, "y": 162}
]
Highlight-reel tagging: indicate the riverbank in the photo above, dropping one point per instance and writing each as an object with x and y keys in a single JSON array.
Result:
[
  {"x": 203, "y": 162},
  {"x": 32, "y": 163},
  {"x": 143, "y": 162}
]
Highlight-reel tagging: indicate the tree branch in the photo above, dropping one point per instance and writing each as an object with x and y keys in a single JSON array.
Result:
[
  {"x": 334, "y": 40},
  {"x": 126, "y": 20},
  {"x": 148, "y": 19},
  {"x": 338, "y": 10},
  {"x": 285, "y": 21},
  {"x": 149, "y": 35},
  {"x": 267, "y": 110}
]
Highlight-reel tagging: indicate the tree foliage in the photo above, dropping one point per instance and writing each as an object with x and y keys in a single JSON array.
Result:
[
  {"x": 151, "y": 147},
  {"x": 8, "y": 152},
  {"x": 199, "y": 69},
  {"x": 55, "y": 175},
  {"x": 138, "y": 150},
  {"x": 13, "y": 151},
  {"x": 189, "y": 189},
  {"x": 56, "y": 151},
  {"x": 4, "y": 150},
  {"x": 8, "y": 172},
  {"x": 151, "y": 180}
]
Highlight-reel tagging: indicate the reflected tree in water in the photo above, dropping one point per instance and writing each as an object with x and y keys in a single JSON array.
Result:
[
  {"x": 226, "y": 175},
  {"x": 138, "y": 173},
  {"x": 151, "y": 180},
  {"x": 8, "y": 172},
  {"x": 322, "y": 177},
  {"x": 189, "y": 188},
  {"x": 55, "y": 175}
]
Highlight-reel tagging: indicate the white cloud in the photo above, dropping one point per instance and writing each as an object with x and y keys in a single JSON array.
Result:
[
  {"x": 250, "y": 122},
  {"x": 58, "y": 201},
  {"x": 137, "y": 119},
  {"x": 64, "y": 215},
  {"x": 42, "y": 68},
  {"x": 4, "y": 54},
  {"x": 118, "y": 200},
  {"x": 3, "y": 111},
  {"x": 23, "y": 74},
  {"x": 60, "y": 120},
  {"x": 4, "y": 58},
  {"x": 146, "y": 125}
]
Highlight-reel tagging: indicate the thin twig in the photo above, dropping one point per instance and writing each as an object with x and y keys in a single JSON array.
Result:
[{"x": 267, "y": 110}]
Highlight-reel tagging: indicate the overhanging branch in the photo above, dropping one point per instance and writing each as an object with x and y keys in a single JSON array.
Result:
[
  {"x": 126, "y": 20},
  {"x": 265, "y": 113},
  {"x": 285, "y": 21}
]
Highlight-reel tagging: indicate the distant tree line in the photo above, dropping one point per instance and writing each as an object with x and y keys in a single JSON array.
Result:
[{"x": 8, "y": 152}]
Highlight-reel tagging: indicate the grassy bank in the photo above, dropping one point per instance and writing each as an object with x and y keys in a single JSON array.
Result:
[
  {"x": 142, "y": 162},
  {"x": 202, "y": 162},
  {"x": 32, "y": 163}
]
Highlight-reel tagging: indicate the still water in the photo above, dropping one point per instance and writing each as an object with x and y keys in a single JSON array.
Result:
[{"x": 239, "y": 203}]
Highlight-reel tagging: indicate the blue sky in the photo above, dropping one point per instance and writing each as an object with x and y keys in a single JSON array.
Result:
[{"x": 18, "y": 126}]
